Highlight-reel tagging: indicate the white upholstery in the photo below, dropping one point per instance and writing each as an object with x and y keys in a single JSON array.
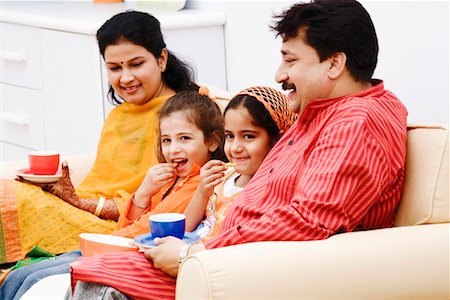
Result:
[
  {"x": 426, "y": 192},
  {"x": 397, "y": 263},
  {"x": 408, "y": 262}
]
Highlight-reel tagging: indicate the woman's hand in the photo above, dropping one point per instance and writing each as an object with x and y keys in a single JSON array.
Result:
[
  {"x": 166, "y": 254},
  {"x": 157, "y": 176},
  {"x": 63, "y": 188}
]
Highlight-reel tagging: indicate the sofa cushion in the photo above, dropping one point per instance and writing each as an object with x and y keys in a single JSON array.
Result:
[{"x": 425, "y": 198}]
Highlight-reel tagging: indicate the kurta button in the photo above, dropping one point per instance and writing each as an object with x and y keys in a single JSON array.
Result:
[
  {"x": 270, "y": 171},
  {"x": 290, "y": 142}
]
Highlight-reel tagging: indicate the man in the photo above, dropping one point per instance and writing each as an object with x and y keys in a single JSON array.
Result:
[{"x": 340, "y": 167}]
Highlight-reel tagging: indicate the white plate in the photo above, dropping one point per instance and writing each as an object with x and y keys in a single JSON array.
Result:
[{"x": 27, "y": 175}]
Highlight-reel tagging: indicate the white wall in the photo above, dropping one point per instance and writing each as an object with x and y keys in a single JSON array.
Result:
[{"x": 413, "y": 59}]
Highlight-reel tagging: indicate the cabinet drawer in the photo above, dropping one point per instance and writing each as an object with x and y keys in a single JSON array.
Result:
[
  {"x": 21, "y": 117},
  {"x": 21, "y": 56}
]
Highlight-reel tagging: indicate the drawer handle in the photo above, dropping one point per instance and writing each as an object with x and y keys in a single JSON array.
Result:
[
  {"x": 13, "y": 56},
  {"x": 15, "y": 119}
]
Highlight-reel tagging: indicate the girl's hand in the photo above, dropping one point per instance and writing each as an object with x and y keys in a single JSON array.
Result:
[
  {"x": 157, "y": 176},
  {"x": 166, "y": 254},
  {"x": 211, "y": 174}
]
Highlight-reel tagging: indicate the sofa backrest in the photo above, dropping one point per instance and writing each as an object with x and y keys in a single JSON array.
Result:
[{"x": 425, "y": 198}]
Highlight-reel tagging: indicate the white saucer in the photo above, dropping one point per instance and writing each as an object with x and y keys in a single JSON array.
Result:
[{"x": 27, "y": 175}]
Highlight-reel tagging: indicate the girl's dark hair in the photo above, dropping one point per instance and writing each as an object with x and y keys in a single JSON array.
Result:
[
  {"x": 144, "y": 30},
  {"x": 203, "y": 112},
  {"x": 261, "y": 117},
  {"x": 333, "y": 26}
]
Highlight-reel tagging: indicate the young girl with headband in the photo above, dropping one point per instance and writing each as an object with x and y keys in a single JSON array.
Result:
[{"x": 254, "y": 121}]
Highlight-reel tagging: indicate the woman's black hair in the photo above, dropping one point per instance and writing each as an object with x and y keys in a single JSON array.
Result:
[
  {"x": 144, "y": 30},
  {"x": 260, "y": 115}
]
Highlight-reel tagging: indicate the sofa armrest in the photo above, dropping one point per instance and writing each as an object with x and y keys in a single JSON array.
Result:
[
  {"x": 79, "y": 165},
  {"x": 397, "y": 263}
]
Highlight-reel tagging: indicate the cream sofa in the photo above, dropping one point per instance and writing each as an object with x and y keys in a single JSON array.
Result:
[{"x": 409, "y": 261}]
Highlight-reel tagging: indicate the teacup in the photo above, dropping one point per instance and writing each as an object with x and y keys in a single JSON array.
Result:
[
  {"x": 43, "y": 162},
  {"x": 168, "y": 224}
]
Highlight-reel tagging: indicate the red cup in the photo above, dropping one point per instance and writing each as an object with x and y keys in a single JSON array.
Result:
[{"x": 43, "y": 162}]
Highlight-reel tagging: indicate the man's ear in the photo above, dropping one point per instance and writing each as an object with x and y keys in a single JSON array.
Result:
[{"x": 337, "y": 64}]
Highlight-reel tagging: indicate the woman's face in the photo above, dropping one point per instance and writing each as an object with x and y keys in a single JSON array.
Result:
[
  {"x": 182, "y": 142},
  {"x": 246, "y": 144},
  {"x": 134, "y": 73}
]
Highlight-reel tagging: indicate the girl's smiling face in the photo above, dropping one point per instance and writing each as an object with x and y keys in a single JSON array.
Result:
[
  {"x": 246, "y": 144},
  {"x": 134, "y": 73},
  {"x": 183, "y": 142}
]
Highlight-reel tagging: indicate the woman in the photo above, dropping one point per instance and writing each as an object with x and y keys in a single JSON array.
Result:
[{"x": 142, "y": 74}]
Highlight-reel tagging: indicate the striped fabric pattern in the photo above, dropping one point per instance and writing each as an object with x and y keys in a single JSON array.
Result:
[
  {"x": 10, "y": 242},
  {"x": 129, "y": 272},
  {"x": 339, "y": 168}
]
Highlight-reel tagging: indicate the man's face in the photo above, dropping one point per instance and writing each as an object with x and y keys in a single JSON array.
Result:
[{"x": 302, "y": 73}]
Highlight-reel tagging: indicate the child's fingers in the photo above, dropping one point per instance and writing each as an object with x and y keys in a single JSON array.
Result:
[
  {"x": 163, "y": 167},
  {"x": 216, "y": 182},
  {"x": 162, "y": 181},
  {"x": 212, "y": 163},
  {"x": 214, "y": 171},
  {"x": 213, "y": 179},
  {"x": 212, "y": 184}
]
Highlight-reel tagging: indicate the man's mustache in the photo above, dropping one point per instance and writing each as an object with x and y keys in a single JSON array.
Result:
[{"x": 287, "y": 86}]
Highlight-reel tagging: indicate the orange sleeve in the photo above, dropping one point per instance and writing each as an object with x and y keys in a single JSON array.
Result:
[
  {"x": 175, "y": 201},
  {"x": 123, "y": 218}
]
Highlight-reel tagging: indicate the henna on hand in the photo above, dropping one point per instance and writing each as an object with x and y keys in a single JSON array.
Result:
[
  {"x": 109, "y": 211},
  {"x": 64, "y": 189}
]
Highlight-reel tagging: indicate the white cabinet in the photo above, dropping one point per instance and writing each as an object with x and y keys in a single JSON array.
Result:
[{"x": 53, "y": 83}]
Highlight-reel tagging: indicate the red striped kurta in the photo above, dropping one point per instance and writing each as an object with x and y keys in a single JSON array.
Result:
[{"x": 339, "y": 168}]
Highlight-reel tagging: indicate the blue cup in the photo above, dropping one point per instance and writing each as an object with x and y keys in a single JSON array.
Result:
[{"x": 168, "y": 224}]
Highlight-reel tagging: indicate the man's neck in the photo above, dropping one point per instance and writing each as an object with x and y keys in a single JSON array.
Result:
[{"x": 348, "y": 86}]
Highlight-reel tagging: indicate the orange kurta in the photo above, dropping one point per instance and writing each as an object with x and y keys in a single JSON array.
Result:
[
  {"x": 217, "y": 208},
  {"x": 176, "y": 201}
]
